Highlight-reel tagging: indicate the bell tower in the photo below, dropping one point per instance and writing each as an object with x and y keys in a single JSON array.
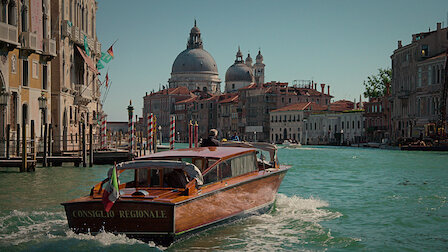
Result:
[{"x": 259, "y": 69}]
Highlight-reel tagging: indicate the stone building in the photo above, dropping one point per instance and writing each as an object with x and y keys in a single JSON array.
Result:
[
  {"x": 332, "y": 127},
  {"x": 377, "y": 118},
  {"x": 194, "y": 67},
  {"x": 163, "y": 104},
  {"x": 75, "y": 86},
  {"x": 27, "y": 46},
  {"x": 417, "y": 78},
  {"x": 288, "y": 122},
  {"x": 256, "y": 101},
  {"x": 228, "y": 115}
]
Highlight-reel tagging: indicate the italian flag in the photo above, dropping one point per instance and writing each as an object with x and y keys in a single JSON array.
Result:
[{"x": 111, "y": 191}]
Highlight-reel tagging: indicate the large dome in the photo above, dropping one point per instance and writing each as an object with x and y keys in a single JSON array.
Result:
[
  {"x": 194, "y": 61},
  {"x": 239, "y": 72}
]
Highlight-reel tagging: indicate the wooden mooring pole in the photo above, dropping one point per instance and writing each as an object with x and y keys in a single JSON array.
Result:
[
  {"x": 44, "y": 160},
  {"x": 24, "y": 154},
  {"x": 84, "y": 161},
  {"x": 90, "y": 145},
  {"x": 33, "y": 146},
  {"x": 50, "y": 139},
  {"x": 8, "y": 129},
  {"x": 18, "y": 141}
]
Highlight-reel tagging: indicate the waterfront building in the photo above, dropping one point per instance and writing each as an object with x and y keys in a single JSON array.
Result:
[
  {"x": 288, "y": 122},
  {"x": 417, "y": 78},
  {"x": 377, "y": 118},
  {"x": 228, "y": 114},
  {"x": 75, "y": 89},
  {"x": 256, "y": 101},
  {"x": 27, "y": 46},
  {"x": 163, "y": 104},
  {"x": 329, "y": 127},
  {"x": 194, "y": 68}
]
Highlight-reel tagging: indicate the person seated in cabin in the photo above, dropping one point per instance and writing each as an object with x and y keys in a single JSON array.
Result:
[
  {"x": 175, "y": 179},
  {"x": 235, "y": 137},
  {"x": 211, "y": 140}
]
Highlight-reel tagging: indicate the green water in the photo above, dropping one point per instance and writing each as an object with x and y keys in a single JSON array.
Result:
[{"x": 331, "y": 199}]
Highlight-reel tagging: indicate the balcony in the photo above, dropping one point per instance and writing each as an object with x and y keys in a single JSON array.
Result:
[
  {"x": 8, "y": 34},
  {"x": 49, "y": 47},
  {"x": 76, "y": 35},
  {"x": 28, "y": 41},
  {"x": 67, "y": 28},
  {"x": 83, "y": 95}
]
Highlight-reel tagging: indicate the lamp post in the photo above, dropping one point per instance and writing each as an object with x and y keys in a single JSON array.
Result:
[
  {"x": 160, "y": 132},
  {"x": 43, "y": 107},
  {"x": 3, "y": 102},
  {"x": 255, "y": 136}
]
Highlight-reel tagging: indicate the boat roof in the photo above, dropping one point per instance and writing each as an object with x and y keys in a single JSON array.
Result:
[{"x": 217, "y": 152}]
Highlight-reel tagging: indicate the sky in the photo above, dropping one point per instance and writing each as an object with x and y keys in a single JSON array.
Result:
[{"x": 339, "y": 43}]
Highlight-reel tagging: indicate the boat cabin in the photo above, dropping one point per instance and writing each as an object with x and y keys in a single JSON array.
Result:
[{"x": 187, "y": 170}]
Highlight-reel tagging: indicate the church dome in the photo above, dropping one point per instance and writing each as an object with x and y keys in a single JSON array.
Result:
[
  {"x": 239, "y": 72},
  {"x": 194, "y": 60}
]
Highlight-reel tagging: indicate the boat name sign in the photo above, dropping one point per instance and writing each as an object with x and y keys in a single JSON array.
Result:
[{"x": 152, "y": 214}]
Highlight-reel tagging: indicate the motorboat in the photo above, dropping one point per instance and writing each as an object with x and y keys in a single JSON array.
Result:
[
  {"x": 290, "y": 144},
  {"x": 168, "y": 195}
]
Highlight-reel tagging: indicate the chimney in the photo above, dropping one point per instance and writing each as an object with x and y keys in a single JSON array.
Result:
[
  {"x": 414, "y": 37},
  {"x": 328, "y": 89},
  {"x": 315, "y": 86},
  {"x": 322, "y": 85},
  {"x": 399, "y": 44},
  {"x": 439, "y": 26},
  {"x": 354, "y": 103}
]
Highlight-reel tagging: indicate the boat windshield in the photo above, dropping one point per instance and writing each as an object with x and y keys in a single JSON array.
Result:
[{"x": 158, "y": 173}]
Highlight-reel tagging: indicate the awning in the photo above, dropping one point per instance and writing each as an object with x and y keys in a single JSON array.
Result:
[{"x": 88, "y": 60}]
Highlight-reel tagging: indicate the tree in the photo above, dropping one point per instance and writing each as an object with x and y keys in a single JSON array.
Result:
[{"x": 376, "y": 84}]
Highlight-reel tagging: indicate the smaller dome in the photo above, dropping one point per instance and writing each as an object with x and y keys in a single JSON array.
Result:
[
  {"x": 239, "y": 72},
  {"x": 259, "y": 56},
  {"x": 248, "y": 59},
  {"x": 195, "y": 29}
]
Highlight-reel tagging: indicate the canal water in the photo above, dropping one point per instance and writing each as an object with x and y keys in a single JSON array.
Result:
[{"x": 333, "y": 198}]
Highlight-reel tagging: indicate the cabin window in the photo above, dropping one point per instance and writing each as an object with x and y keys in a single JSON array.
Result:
[
  {"x": 211, "y": 176},
  {"x": 243, "y": 164},
  {"x": 225, "y": 170}
]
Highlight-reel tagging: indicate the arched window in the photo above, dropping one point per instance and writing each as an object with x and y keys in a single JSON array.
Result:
[
  {"x": 24, "y": 16},
  {"x": 12, "y": 15}
]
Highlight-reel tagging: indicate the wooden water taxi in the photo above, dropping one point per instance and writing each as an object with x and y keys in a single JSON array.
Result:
[{"x": 168, "y": 195}]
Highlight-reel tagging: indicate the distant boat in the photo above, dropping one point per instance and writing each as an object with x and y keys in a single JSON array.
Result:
[
  {"x": 174, "y": 193},
  {"x": 289, "y": 144}
]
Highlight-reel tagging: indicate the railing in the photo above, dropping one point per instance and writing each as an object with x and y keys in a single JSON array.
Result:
[{"x": 8, "y": 33}]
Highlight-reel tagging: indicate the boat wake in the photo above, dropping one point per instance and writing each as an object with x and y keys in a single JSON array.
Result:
[
  {"x": 293, "y": 224},
  {"x": 21, "y": 230}
]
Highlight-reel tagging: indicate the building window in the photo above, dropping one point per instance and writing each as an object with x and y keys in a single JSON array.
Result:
[
  {"x": 425, "y": 50},
  {"x": 25, "y": 74},
  {"x": 44, "y": 77},
  {"x": 289, "y": 100},
  {"x": 342, "y": 125},
  {"x": 429, "y": 75}
]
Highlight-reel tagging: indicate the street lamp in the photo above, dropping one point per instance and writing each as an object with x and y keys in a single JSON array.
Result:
[
  {"x": 255, "y": 136},
  {"x": 160, "y": 132},
  {"x": 43, "y": 107}
]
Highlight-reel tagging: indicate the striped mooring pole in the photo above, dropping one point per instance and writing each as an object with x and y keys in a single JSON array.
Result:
[
  {"x": 149, "y": 141},
  {"x": 196, "y": 134},
  {"x": 190, "y": 134},
  {"x": 131, "y": 127},
  {"x": 103, "y": 132},
  {"x": 172, "y": 131}
]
